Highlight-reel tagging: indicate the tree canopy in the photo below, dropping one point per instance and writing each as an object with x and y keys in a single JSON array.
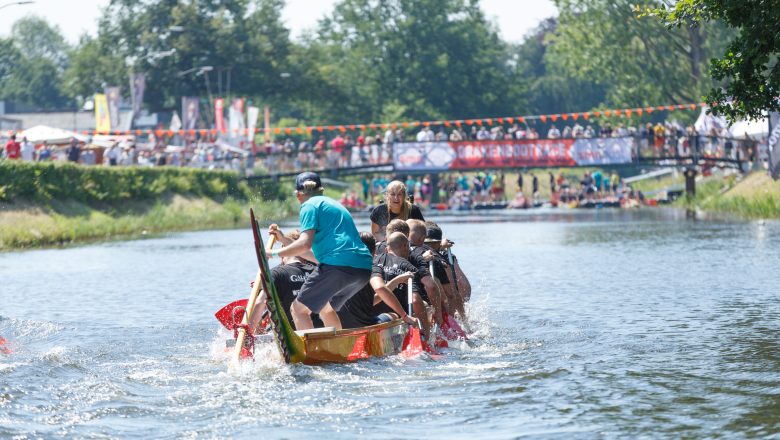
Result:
[
  {"x": 369, "y": 60},
  {"x": 747, "y": 69}
]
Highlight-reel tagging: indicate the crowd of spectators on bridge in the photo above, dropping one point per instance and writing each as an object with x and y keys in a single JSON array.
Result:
[{"x": 343, "y": 150}]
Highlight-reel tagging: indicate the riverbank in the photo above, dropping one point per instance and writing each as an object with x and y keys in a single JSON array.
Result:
[
  {"x": 45, "y": 205},
  {"x": 754, "y": 196}
]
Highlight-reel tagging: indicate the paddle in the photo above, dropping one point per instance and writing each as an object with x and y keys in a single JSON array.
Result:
[
  {"x": 250, "y": 306},
  {"x": 226, "y": 316},
  {"x": 412, "y": 343}
]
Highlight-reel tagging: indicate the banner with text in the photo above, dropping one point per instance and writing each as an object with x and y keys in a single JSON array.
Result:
[
  {"x": 441, "y": 156},
  {"x": 774, "y": 145}
]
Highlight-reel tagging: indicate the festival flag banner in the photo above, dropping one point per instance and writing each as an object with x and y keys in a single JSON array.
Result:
[
  {"x": 219, "y": 115},
  {"x": 774, "y": 144},
  {"x": 137, "y": 89},
  {"x": 102, "y": 117},
  {"x": 114, "y": 99},
  {"x": 190, "y": 111},
  {"x": 175, "y": 122},
  {"x": 236, "y": 116},
  {"x": 252, "y": 113}
]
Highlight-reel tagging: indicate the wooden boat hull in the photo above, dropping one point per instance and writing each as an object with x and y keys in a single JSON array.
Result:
[{"x": 350, "y": 345}]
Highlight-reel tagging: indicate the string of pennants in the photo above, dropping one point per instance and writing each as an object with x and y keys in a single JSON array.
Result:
[{"x": 625, "y": 112}]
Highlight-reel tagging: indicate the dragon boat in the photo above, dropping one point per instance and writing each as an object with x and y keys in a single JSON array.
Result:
[{"x": 316, "y": 346}]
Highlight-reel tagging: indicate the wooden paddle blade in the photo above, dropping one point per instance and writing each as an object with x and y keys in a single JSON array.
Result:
[{"x": 225, "y": 314}]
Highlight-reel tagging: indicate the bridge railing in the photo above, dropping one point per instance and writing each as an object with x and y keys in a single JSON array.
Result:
[{"x": 440, "y": 156}]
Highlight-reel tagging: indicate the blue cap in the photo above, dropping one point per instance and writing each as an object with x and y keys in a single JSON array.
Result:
[{"x": 303, "y": 177}]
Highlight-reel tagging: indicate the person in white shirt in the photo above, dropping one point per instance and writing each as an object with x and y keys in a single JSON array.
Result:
[
  {"x": 483, "y": 134},
  {"x": 27, "y": 150},
  {"x": 553, "y": 133},
  {"x": 421, "y": 135}
]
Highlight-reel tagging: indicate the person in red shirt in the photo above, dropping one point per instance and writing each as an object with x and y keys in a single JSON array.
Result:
[{"x": 12, "y": 148}]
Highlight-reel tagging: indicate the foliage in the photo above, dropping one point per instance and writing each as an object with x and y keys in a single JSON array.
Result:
[
  {"x": 31, "y": 64},
  {"x": 638, "y": 61},
  {"x": 749, "y": 65},
  {"x": 429, "y": 58},
  {"x": 112, "y": 185}
]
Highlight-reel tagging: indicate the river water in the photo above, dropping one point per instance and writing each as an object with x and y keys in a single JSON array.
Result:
[{"x": 586, "y": 324}]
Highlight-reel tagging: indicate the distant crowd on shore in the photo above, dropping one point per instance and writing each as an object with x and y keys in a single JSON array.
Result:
[{"x": 668, "y": 139}]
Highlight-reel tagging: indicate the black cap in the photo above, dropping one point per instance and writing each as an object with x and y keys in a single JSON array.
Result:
[
  {"x": 433, "y": 233},
  {"x": 303, "y": 177}
]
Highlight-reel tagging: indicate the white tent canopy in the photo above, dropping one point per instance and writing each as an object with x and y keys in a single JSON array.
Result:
[
  {"x": 705, "y": 123},
  {"x": 41, "y": 133}
]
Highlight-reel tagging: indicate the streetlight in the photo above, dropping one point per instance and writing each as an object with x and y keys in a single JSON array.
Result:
[{"x": 16, "y": 4}]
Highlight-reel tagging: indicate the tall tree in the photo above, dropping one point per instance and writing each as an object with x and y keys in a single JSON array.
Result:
[
  {"x": 639, "y": 61},
  {"x": 429, "y": 58},
  {"x": 749, "y": 65}
]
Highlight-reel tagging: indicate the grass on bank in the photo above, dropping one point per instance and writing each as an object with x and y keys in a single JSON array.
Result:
[
  {"x": 56, "y": 204},
  {"x": 756, "y": 196}
]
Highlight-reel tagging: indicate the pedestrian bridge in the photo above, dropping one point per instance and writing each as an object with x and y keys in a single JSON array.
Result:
[{"x": 694, "y": 152}]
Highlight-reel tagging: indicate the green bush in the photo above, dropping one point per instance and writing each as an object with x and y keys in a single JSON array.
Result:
[{"x": 98, "y": 184}]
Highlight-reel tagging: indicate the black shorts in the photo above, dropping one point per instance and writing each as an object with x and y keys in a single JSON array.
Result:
[{"x": 332, "y": 284}]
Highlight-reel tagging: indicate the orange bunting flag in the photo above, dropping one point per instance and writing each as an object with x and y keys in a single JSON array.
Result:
[
  {"x": 447, "y": 123},
  {"x": 543, "y": 118},
  {"x": 617, "y": 112},
  {"x": 489, "y": 121},
  {"x": 372, "y": 126},
  {"x": 288, "y": 131},
  {"x": 607, "y": 113},
  {"x": 649, "y": 109},
  {"x": 510, "y": 120},
  {"x": 469, "y": 122},
  {"x": 585, "y": 116},
  {"x": 639, "y": 111},
  {"x": 320, "y": 129},
  {"x": 628, "y": 112},
  {"x": 500, "y": 120},
  {"x": 415, "y": 124},
  {"x": 521, "y": 120},
  {"x": 426, "y": 124},
  {"x": 693, "y": 106},
  {"x": 362, "y": 127},
  {"x": 458, "y": 123},
  {"x": 671, "y": 108},
  {"x": 574, "y": 116},
  {"x": 342, "y": 129},
  {"x": 394, "y": 126},
  {"x": 405, "y": 124},
  {"x": 299, "y": 130},
  {"x": 479, "y": 122},
  {"x": 277, "y": 130},
  {"x": 661, "y": 108},
  {"x": 565, "y": 117},
  {"x": 352, "y": 127},
  {"x": 554, "y": 117}
]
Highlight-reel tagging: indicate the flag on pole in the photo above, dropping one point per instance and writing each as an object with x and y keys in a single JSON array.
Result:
[
  {"x": 137, "y": 88},
  {"x": 114, "y": 101},
  {"x": 175, "y": 122},
  {"x": 773, "y": 144},
  {"x": 236, "y": 117},
  {"x": 219, "y": 114},
  {"x": 102, "y": 117},
  {"x": 190, "y": 112},
  {"x": 252, "y": 113}
]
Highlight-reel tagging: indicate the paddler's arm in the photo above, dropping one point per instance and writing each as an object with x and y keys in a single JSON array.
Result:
[
  {"x": 286, "y": 241},
  {"x": 379, "y": 286},
  {"x": 297, "y": 247}
]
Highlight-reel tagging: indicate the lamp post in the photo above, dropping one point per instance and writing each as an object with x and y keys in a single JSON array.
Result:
[{"x": 16, "y": 4}]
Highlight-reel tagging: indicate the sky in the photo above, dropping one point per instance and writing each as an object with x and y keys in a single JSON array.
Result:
[{"x": 75, "y": 17}]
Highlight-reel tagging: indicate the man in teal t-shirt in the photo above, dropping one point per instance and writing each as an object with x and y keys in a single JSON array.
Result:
[{"x": 328, "y": 231}]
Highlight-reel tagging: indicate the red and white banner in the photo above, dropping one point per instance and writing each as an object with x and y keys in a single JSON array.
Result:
[
  {"x": 511, "y": 153},
  {"x": 219, "y": 115}
]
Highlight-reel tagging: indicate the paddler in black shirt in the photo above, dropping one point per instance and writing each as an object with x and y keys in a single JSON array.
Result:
[
  {"x": 461, "y": 288},
  {"x": 288, "y": 277},
  {"x": 391, "y": 264},
  {"x": 359, "y": 311},
  {"x": 437, "y": 287},
  {"x": 396, "y": 206},
  {"x": 396, "y": 225}
]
